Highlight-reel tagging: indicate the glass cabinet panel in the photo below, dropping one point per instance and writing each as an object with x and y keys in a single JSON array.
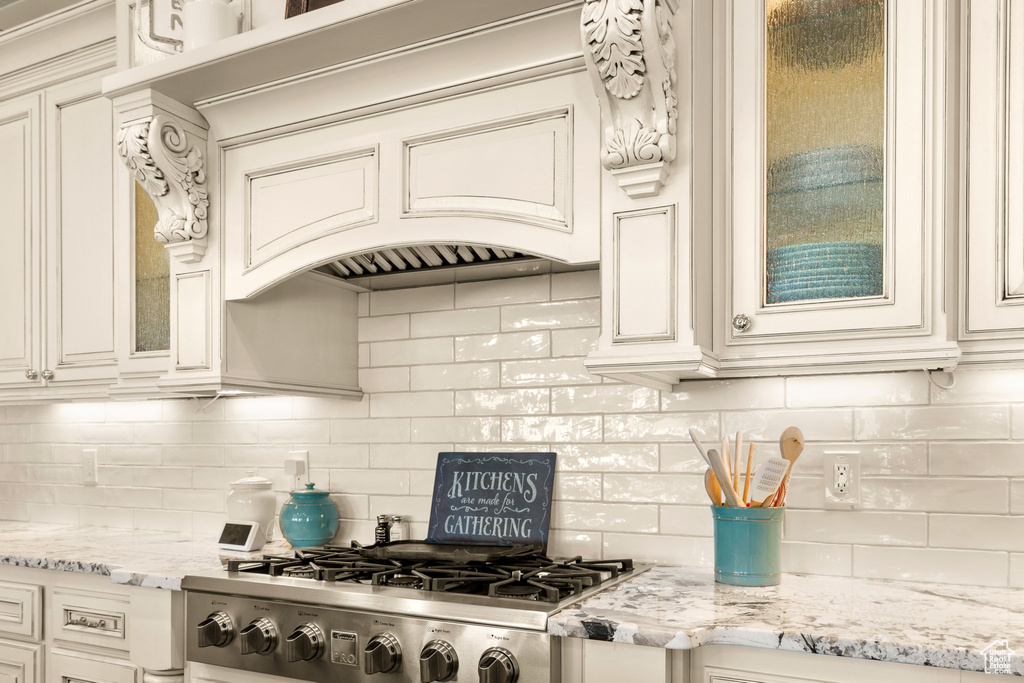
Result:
[
  {"x": 824, "y": 223},
  {"x": 152, "y": 281}
]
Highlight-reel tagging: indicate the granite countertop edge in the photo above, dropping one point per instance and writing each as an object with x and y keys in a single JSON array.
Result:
[{"x": 681, "y": 608}]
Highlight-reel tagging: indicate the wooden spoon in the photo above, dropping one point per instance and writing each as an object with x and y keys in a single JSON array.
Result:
[
  {"x": 712, "y": 487},
  {"x": 791, "y": 444},
  {"x": 718, "y": 464}
]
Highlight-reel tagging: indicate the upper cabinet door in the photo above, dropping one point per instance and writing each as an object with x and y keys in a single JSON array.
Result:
[
  {"x": 993, "y": 297},
  {"x": 80, "y": 337},
  {"x": 826, "y": 149},
  {"x": 19, "y": 242}
]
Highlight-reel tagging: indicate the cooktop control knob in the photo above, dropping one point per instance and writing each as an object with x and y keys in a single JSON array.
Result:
[
  {"x": 216, "y": 630},
  {"x": 498, "y": 665},
  {"x": 438, "y": 662},
  {"x": 305, "y": 644},
  {"x": 382, "y": 654},
  {"x": 259, "y": 637}
]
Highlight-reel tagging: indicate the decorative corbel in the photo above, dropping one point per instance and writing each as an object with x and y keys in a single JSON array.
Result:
[
  {"x": 168, "y": 162},
  {"x": 630, "y": 52}
]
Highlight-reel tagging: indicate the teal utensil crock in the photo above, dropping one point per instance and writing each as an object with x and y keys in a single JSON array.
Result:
[
  {"x": 309, "y": 518},
  {"x": 748, "y": 545}
]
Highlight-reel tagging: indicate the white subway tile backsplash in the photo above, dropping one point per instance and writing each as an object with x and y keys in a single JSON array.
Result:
[
  {"x": 658, "y": 427},
  {"x": 498, "y": 366},
  {"x": 936, "y": 494},
  {"x": 976, "y": 532},
  {"x": 857, "y": 526},
  {"x": 469, "y": 429},
  {"x": 457, "y": 322},
  {"x": 576, "y": 285},
  {"x": 686, "y": 520},
  {"x": 831, "y": 559},
  {"x": 655, "y": 488},
  {"x": 384, "y": 327},
  {"x": 502, "y": 402},
  {"x": 766, "y": 425},
  {"x": 977, "y": 459},
  {"x": 551, "y": 429},
  {"x": 879, "y": 389},
  {"x": 608, "y": 457},
  {"x": 561, "y": 314},
  {"x": 672, "y": 550},
  {"x": 546, "y": 372},
  {"x": 933, "y": 422},
  {"x": 438, "y": 298},
  {"x": 579, "y": 341},
  {"x": 455, "y": 376},
  {"x": 413, "y": 404},
  {"x": 509, "y": 291},
  {"x": 930, "y": 564},
  {"x": 605, "y": 517},
  {"x": 727, "y": 394},
  {"x": 606, "y": 398},
  {"x": 411, "y": 352}
]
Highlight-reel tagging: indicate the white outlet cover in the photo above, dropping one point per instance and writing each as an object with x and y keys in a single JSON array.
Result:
[
  {"x": 90, "y": 476},
  {"x": 835, "y": 498}
]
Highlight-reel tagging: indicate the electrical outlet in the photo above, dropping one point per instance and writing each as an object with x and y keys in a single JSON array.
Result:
[
  {"x": 297, "y": 465},
  {"x": 842, "y": 479},
  {"x": 90, "y": 476}
]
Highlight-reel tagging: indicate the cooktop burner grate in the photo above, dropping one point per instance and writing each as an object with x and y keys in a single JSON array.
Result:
[{"x": 524, "y": 577}]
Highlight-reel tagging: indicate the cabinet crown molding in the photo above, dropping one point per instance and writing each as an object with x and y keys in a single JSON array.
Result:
[
  {"x": 630, "y": 53},
  {"x": 166, "y": 156}
]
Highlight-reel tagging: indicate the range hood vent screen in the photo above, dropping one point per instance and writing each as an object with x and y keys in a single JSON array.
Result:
[{"x": 417, "y": 258}]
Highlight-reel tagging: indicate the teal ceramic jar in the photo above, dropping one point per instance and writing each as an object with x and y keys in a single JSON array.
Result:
[
  {"x": 748, "y": 545},
  {"x": 309, "y": 518}
]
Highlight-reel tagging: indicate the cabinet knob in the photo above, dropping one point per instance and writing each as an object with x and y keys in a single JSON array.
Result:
[
  {"x": 31, "y": 374},
  {"x": 47, "y": 374},
  {"x": 741, "y": 322}
]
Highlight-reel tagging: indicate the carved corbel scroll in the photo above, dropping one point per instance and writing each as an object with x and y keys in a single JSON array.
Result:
[
  {"x": 630, "y": 52},
  {"x": 168, "y": 163}
]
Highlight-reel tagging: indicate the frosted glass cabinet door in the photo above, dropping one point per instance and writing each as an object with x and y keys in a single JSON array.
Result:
[
  {"x": 828, "y": 233},
  {"x": 19, "y": 242}
]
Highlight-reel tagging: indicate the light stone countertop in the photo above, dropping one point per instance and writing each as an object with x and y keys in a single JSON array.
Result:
[
  {"x": 152, "y": 559},
  {"x": 926, "y": 624}
]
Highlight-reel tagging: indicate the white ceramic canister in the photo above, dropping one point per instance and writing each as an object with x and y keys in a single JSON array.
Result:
[
  {"x": 207, "y": 21},
  {"x": 252, "y": 500}
]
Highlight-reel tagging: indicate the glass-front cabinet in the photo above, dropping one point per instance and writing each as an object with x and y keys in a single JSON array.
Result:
[{"x": 835, "y": 208}]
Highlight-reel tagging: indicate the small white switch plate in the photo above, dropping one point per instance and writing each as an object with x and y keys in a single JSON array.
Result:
[
  {"x": 89, "y": 474},
  {"x": 297, "y": 465},
  {"x": 842, "y": 479}
]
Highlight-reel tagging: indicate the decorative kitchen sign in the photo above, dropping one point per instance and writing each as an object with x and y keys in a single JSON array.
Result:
[{"x": 492, "y": 499}]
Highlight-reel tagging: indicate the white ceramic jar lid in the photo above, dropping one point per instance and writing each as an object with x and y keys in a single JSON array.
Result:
[{"x": 252, "y": 483}]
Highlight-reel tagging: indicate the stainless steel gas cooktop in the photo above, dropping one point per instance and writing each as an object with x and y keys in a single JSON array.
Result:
[{"x": 351, "y": 614}]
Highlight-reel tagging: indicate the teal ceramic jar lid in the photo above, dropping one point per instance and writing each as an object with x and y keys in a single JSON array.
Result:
[{"x": 309, "y": 493}]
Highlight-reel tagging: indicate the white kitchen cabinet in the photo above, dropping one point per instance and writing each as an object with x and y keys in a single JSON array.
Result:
[
  {"x": 20, "y": 662},
  {"x": 20, "y": 191},
  {"x": 992, "y": 235},
  {"x": 833, "y": 132},
  {"x": 69, "y": 666}
]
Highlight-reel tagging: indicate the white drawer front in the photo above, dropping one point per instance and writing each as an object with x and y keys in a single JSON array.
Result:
[
  {"x": 90, "y": 617},
  {"x": 21, "y": 609},
  {"x": 20, "y": 662},
  {"x": 64, "y": 666}
]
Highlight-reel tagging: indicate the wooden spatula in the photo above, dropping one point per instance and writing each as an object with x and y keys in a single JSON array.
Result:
[
  {"x": 721, "y": 473},
  {"x": 712, "y": 487}
]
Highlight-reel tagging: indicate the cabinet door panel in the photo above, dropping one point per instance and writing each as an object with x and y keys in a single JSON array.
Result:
[
  {"x": 80, "y": 234},
  {"x": 66, "y": 666},
  {"x": 20, "y": 662},
  {"x": 19, "y": 241},
  {"x": 829, "y": 188},
  {"x": 994, "y": 296}
]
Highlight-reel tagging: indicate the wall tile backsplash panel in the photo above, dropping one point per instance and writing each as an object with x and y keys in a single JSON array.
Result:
[{"x": 498, "y": 366}]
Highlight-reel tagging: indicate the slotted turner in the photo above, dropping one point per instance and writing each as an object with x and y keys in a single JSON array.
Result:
[{"x": 767, "y": 478}]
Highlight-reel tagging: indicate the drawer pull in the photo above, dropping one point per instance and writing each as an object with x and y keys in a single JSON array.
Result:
[{"x": 103, "y": 624}]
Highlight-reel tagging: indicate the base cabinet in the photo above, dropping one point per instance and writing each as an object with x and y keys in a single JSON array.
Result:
[
  {"x": 20, "y": 662},
  {"x": 66, "y": 666}
]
